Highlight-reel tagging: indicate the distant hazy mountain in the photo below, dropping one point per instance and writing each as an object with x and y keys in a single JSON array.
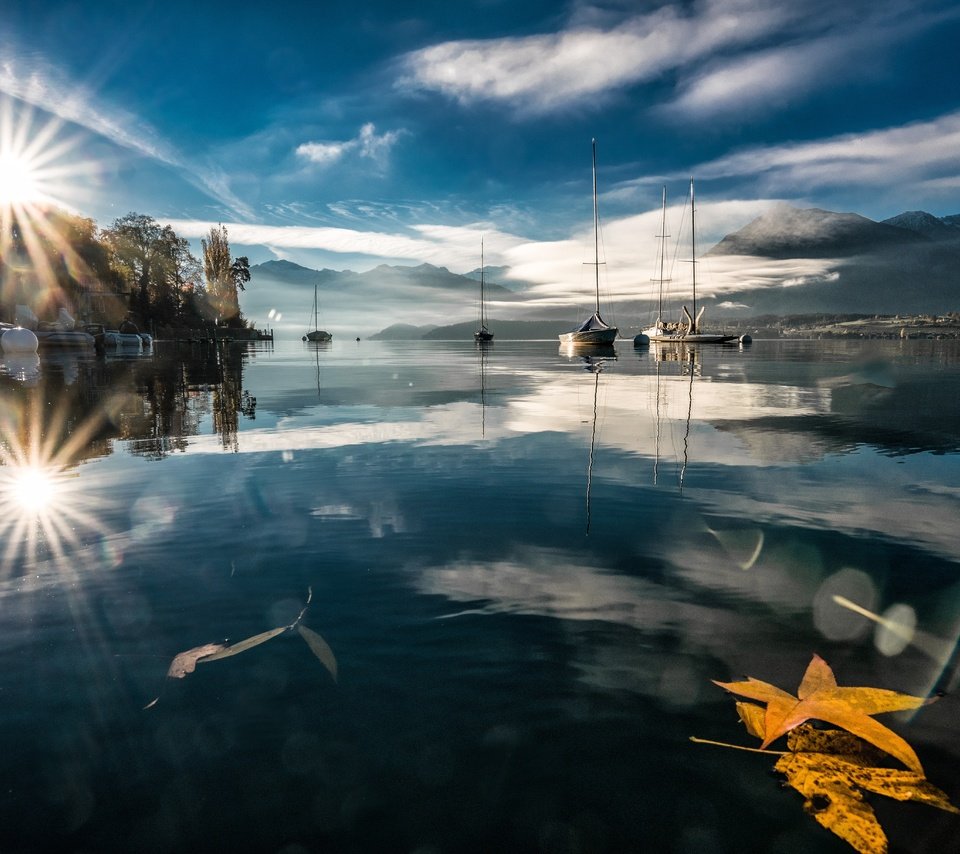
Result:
[
  {"x": 937, "y": 228},
  {"x": 402, "y": 332},
  {"x": 789, "y": 232},
  {"x": 384, "y": 277},
  {"x": 909, "y": 263}
]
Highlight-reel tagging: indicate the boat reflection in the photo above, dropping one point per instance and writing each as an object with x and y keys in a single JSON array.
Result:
[{"x": 587, "y": 351}]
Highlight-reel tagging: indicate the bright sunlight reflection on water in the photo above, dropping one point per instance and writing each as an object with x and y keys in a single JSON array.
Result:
[{"x": 32, "y": 489}]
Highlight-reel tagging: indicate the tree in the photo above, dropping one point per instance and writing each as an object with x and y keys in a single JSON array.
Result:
[
  {"x": 157, "y": 263},
  {"x": 136, "y": 239},
  {"x": 225, "y": 276}
]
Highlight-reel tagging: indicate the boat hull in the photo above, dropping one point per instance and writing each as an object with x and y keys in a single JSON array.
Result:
[
  {"x": 483, "y": 336},
  {"x": 658, "y": 335},
  {"x": 318, "y": 335},
  {"x": 695, "y": 338},
  {"x": 64, "y": 339},
  {"x": 126, "y": 341},
  {"x": 590, "y": 336}
]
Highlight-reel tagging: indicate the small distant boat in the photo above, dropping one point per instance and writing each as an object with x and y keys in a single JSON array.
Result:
[
  {"x": 126, "y": 337},
  {"x": 62, "y": 334},
  {"x": 64, "y": 338},
  {"x": 687, "y": 330},
  {"x": 316, "y": 334},
  {"x": 594, "y": 330},
  {"x": 116, "y": 340},
  {"x": 483, "y": 335}
]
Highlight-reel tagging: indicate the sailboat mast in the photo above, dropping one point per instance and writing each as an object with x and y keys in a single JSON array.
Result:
[
  {"x": 663, "y": 244},
  {"x": 483, "y": 320},
  {"x": 596, "y": 228},
  {"x": 693, "y": 250}
]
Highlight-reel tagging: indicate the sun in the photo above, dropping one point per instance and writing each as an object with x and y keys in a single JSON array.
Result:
[
  {"x": 19, "y": 179},
  {"x": 33, "y": 488}
]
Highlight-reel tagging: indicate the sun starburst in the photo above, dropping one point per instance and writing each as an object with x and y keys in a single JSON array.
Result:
[
  {"x": 41, "y": 172},
  {"x": 44, "y": 513}
]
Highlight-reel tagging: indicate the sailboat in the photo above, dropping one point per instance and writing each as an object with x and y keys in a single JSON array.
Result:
[
  {"x": 594, "y": 330},
  {"x": 482, "y": 335},
  {"x": 688, "y": 330},
  {"x": 317, "y": 334}
]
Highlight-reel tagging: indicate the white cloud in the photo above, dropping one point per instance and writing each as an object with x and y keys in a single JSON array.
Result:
[
  {"x": 921, "y": 151},
  {"x": 547, "y": 71},
  {"x": 368, "y": 144},
  {"x": 751, "y": 83},
  {"x": 323, "y": 153}
]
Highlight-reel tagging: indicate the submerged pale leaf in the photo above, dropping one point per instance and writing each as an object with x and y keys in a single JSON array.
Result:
[
  {"x": 241, "y": 646},
  {"x": 186, "y": 662},
  {"x": 320, "y": 648}
]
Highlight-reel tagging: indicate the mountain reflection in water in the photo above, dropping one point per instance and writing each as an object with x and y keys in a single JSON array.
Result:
[{"x": 518, "y": 669}]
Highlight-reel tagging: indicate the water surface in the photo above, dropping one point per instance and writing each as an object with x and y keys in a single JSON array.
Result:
[{"x": 528, "y": 563}]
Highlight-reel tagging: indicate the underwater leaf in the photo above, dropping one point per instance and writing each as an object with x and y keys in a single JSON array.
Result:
[
  {"x": 320, "y": 649},
  {"x": 821, "y": 699},
  {"x": 831, "y": 799},
  {"x": 186, "y": 662},
  {"x": 809, "y": 739},
  {"x": 242, "y": 646},
  {"x": 833, "y": 790}
]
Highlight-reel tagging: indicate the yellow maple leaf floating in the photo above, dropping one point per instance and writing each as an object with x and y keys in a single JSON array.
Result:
[
  {"x": 820, "y": 698},
  {"x": 833, "y": 769}
]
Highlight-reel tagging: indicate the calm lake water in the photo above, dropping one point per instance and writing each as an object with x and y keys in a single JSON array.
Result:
[{"x": 528, "y": 564}]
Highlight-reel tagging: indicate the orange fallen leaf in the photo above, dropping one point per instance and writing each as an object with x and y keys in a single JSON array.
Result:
[{"x": 820, "y": 698}]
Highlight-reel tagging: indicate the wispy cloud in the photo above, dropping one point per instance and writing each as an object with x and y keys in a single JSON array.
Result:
[
  {"x": 45, "y": 87},
  {"x": 368, "y": 144},
  {"x": 718, "y": 54},
  {"x": 751, "y": 83},
  {"x": 548, "y": 71},
  {"x": 764, "y": 77},
  {"x": 922, "y": 152}
]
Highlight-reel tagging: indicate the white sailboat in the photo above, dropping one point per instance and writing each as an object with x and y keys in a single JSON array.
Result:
[
  {"x": 316, "y": 334},
  {"x": 482, "y": 335},
  {"x": 687, "y": 330},
  {"x": 594, "y": 330}
]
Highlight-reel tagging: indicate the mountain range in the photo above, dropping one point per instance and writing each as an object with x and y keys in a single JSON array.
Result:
[{"x": 908, "y": 264}]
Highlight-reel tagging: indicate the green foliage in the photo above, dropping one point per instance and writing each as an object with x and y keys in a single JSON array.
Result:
[{"x": 135, "y": 268}]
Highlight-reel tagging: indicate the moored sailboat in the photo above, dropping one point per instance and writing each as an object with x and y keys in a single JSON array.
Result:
[
  {"x": 316, "y": 334},
  {"x": 483, "y": 335},
  {"x": 594, "y": 330},
  {"x": 687, "y": 330}
]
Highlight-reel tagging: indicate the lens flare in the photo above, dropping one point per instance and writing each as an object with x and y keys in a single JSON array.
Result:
[
  {"x": 40, "y": 171},
  {"x": 45, "y": 514},
  {"x": 18, "y": 179},
  {"x": 33, "y": 489}
]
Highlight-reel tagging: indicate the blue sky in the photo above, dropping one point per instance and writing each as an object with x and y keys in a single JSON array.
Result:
[{"x": 349, "y": 134}]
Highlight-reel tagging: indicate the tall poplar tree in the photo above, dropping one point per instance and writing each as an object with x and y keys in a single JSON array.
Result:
[{"x": 225, "y": 275}]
